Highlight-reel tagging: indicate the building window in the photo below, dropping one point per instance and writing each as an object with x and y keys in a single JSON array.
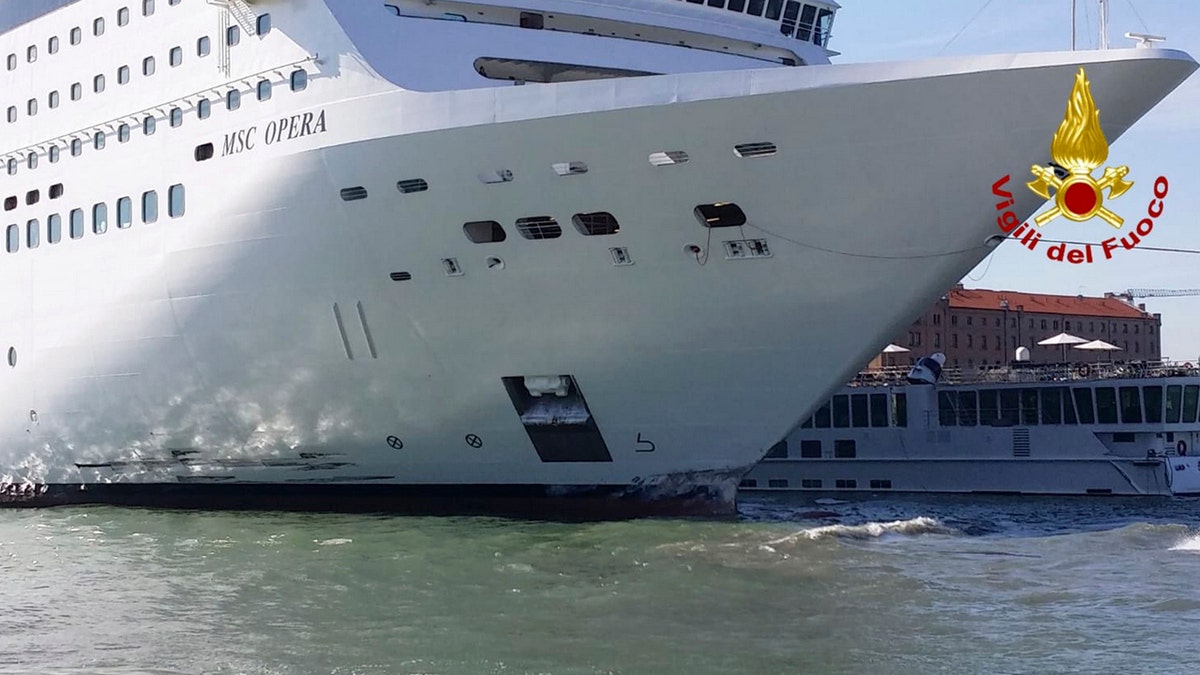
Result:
[
  {"x": 844, "y": 449},
  {"x": 299, "y": 80},
  {"x": 176, "y": 56},
  {"x": 76, "y": 35},
  {"x": 970, "y": 339},
  {"x": 54, "y": 228},
  {"x": 954, "y": 340},
  {"x": 76, "y": 223},
  {"x": 203, "y": 47},
  {"x": 148, "y": 125},
  {"x": 147, "y": 7},
  {"x": 76, "y": 91},
  {"x": 969, "y": 319},
  {"x": 150, "y": 207},
  {"x": 31, "y": 54},
  {"x": 1043, "y": 324},
  {"x": 123, "y": 16},
  {"x": 983, "y": 342},
  {"x": 124, "y": 212},
  {"x": 233, "y": 35},
  {"x": 98, "y": 84},
  {"x": 233, "y": 99},
  {"x": 264, "y": 90},
  {"x": 203, "y": 108},
  {"x": 98, "y": 27},
  {"x": 1135, "y": 328},
  {"x": 954, "y": 320},
  {"x": 52, "y": 99},
  {"x": 175, "y": 201},
  {"x": 148, "y": 66},
  {"x": 123, "y": 133},
  {"x": 263, "y": 24},
  {"x": 100, "y": 218},
  {"x": 176, "y": 117},
  {"x": 98, "y": 140}
]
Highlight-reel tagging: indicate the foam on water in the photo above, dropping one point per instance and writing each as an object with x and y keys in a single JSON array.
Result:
[
  {"x": 1189, "y": 543},
  {"x": 870, "y": 530}
]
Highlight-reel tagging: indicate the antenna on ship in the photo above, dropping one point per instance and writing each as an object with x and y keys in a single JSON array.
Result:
[{"x": 1103, "y": 23}]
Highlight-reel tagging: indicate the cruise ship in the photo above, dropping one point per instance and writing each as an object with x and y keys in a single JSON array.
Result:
[{"x": 560, "y": 257}]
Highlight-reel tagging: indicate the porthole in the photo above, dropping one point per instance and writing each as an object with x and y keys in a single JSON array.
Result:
[
  {"x": 56, "y": 191},
  {"x": 412, "y": 185},
  {"x": 148, "y": 66},
  {"x": 99, "y": 139},
  {"x": 147, "y": 7},
  {"x": 668, "y": 158},
  {"x": 12, "y": 61},
  {"x": 54, "y": 228},
  {"x": 264, "y": 90},
  {"x": 176, "y": 56},
  {"x": 76, "y": 147},
  {"x": 494, "y": 263},
  {"x": 123, "y": 133},
  {"x": 760, "y": 149},
  {"x": 593, "y": 224},
  {"x": 100, "y": 218},
  {"x": 150, "y": 207},
  {"x": 203, "y": 108},
  {"x": 203, "y": 47},
  {"x": 12, "y": 357},
  {"x": 98, "y": 27},
  {"x": 13, "y": 240},
  {"x": 263, "y": 25},
  {"x": 124, "y": 213},
  {"x": 352, "y": 194},
  {"x": 52, "y": 44},
  {"x": 176, "y": 117},
  {"x": 31, "y": 107},
  {"x": 52, "y": 99},
  {"x": 76, "y": 91},
  {"x": 204, "y": 152},
  {"x": 54, "y": 154},
  {"x": 76, "y": 223},
  {"x": 233, "y": 99},
  {"x": 123, "y": 16},
  {"x": 570, "y": 168},
  {"x": 33, "y": 234},
  {"x": 76, "y": 35},
  {"x": 539, "y": 227},
  {"x": 32, "y": 197},
  {"x": 31, "y": 53},
  {"x": 233, "y": 35},
  {"x": 175, "y": 201},
  {"x": 98, "y": 84},
  {"x": 149, "y": 125},
  {"x": 123, "y": 75},
  {"x": 484, "y": 232},
  {"x": 299, "y": 80},
  {"x": 10, "y": 203},
  {"x": 720, "y": 214}
]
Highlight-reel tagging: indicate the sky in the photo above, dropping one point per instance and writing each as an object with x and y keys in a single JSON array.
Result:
[{"x": 1165, "y": 142}]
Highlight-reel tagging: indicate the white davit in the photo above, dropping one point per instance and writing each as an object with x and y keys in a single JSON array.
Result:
[{"x": 564, "y": 258}]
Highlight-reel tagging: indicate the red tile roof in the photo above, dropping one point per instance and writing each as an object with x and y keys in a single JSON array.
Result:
[{"x": 980, "y": 298}]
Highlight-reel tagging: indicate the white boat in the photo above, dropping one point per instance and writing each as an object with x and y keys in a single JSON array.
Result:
[
  {"x": 1103, "y": 429},
  {"x": 560, "y": 257}
]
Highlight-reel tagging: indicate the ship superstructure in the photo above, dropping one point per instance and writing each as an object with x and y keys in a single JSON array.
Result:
[{"x": 562, "y": 256}]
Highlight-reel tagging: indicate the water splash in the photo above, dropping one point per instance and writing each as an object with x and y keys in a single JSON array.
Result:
[
  {"x": 1190, "y": 543},
  {"x": 870, "y": 530}
]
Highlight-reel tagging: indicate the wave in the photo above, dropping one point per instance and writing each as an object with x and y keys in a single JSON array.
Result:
[
  {"x": 1190, "y": 542},
  {"x": 870, "y": 530}
]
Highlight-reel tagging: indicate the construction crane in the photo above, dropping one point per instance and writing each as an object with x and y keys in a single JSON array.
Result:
[{"x": 1159, "y": 292}]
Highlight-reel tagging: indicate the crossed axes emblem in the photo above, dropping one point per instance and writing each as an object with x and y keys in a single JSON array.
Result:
[{"x": 1113, "y": 179}]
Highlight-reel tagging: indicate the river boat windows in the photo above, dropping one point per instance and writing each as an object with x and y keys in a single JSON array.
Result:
[
  {"x": 879, "y": 410},
  {"x": 12, "y": 61},
  {"x": 810, "y": 449},
  {"x": 841, "y": 411},
  {"x": 1029, "y": 407},
  {"x": 900, "y": 410},
  {"x": 32, "y": 160},
  {"x": 1083, "y": 405},
  {"x": 1131, "y": 405},
  {"x": 846, "y": 483},
  {"x": 54, "y": 154},
  {"x": 946, "y": 413},
  {"x": 859, "y": 414},
  {"x": 844, "y": 448},
  {"x": 968, "y": 407},
  {"x": 1068, "y": 406},
  {"x": 1153, "y": 401},
  {"x": 12, "y": 113},
  {"x": 1106, "y": 405},
  {"x": 1191, "y": 396},
  {"x": 1174, "y": 403},
  {"x": 823, "y": 417},
  {"x": 1051, "y": 405},
  {"x": 778, "y": 451},
  {"x": 76, "y": 147}
]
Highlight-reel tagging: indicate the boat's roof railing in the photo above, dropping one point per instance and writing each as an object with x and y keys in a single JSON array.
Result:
[{"x": 1029, "y": 372}]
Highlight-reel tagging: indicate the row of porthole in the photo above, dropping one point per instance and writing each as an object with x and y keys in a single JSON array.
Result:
[
  {"x": 663, "y": 158},
  {"x": 233, "y": 100},
  {"x": 175, "y": 58},
  {"x": 33, "y": 197},
  {"x": 75, "y": 35},
  {"x": 176, "y": 203}
]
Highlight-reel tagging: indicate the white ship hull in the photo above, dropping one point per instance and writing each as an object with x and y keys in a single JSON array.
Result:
[{"x": 256, "y": 351}]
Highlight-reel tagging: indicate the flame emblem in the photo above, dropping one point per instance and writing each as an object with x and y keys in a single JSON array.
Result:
[{"x": 1079, "y": 147}]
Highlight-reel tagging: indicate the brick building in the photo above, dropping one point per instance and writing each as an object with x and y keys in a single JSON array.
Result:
[{"x": 975, "y": 327}]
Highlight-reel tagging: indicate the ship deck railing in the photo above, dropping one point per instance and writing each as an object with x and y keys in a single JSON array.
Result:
[{"x": 1019, "y": 372}]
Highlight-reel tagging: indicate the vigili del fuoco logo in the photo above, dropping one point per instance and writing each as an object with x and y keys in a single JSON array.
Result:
[{"x": 1078, "y": 149}]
